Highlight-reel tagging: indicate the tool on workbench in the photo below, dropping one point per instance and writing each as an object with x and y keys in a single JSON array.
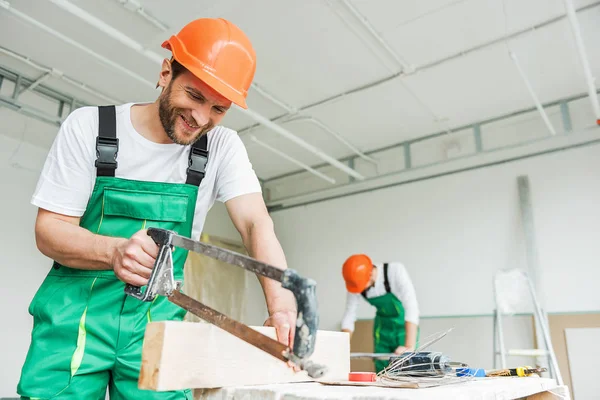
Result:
[
  {"x": 519, "y": 371},
  {"x": 162, "y": 282},
  {"x": 423, "y": 368},
  {"x": 423, "y": 363}
]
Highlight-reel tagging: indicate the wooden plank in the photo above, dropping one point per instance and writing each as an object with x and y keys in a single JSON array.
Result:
[
  {"x": 362, "y": 342},
  {"x": 180, "y": 355}
]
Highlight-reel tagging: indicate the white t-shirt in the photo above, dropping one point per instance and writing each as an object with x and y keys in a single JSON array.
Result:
[
  {"x": 400, "y": 285},
  {"x": 69, "y": 174}
]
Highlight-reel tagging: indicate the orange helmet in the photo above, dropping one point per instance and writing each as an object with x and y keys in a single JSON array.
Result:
[
  {"x": 218, "y": 53},
  {"x": 357, "y": 272}
]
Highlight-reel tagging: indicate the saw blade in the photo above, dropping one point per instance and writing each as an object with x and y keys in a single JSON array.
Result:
[
  {"x": 379, "y": 356},
  {"x": 249, "y": 335},
  {"x": 230, "y": 257}
]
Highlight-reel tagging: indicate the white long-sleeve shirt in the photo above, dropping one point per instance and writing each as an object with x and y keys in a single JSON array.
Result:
[{"x": 400, "y": 285}]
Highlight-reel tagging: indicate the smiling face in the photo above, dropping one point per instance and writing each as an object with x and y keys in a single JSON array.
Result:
[{"x": 188, "y": 108}]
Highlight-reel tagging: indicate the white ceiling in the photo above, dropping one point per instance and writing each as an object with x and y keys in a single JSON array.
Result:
[{"x": 308, "y": 53}]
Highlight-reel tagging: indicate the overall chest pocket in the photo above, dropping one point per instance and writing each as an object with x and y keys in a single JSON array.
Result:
[{"x": 124, "y": 212}]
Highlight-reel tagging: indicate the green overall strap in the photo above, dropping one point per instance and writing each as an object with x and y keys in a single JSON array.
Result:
[
  {"x": 107, "y": 144},
  {"x": 197, "y": 161}
]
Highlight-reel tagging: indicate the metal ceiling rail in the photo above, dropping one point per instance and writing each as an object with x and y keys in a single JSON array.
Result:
[
  {"x": 524, "y": 77},
  {"x": 532, "y": 93},
  {"x": 20, "y": 81},
  {"x": 585, "y": 63},
  {"x": 292, "y": 111},
  {"x": 24, "y": 109},
  {"x": 136, "y": 7},
  {"x": 279, "y": 205},
  {"x": 291, "y": 159},
  {"x": 6, "y": 5},
  {"x": 131, "y": 43},
  {"x": 287, "y": 134},
  {"x": 349, "y": 15},
  {"x": 333, "y": 133},
  {"x": 400, "y": 75},
  {"x": 476, "y": 127},
  {"x": 352, "y": 17},
  {"x": 59, "y": 75}
]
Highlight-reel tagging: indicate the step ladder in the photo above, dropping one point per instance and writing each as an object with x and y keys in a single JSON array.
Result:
[{"x": 545, "y": 353}]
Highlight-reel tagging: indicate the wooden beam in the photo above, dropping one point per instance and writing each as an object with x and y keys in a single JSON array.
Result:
[{"x": 181, "y": 355}]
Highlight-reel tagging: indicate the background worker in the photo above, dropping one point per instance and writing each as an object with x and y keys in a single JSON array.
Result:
[{"x": 389, "y": 289}]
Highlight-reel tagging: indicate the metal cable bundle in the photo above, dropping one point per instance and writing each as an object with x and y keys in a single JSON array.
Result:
[{"x": 425, "y": 368}]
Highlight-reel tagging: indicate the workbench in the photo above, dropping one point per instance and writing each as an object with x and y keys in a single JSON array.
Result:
[{"x": 482, "y": 388}]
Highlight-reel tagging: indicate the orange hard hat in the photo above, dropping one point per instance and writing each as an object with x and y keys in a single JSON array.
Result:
[
  {"x": 357, "y": 272},
  {"x": 218, "y": 53}
]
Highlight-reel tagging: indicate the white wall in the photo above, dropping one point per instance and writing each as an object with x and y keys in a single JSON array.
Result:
[
  {"x": 454, "y": 232},
  {"x": 470, "y": 340},
  {"x": 23, "y": 268},
  {"x": 218, "y": 223}
]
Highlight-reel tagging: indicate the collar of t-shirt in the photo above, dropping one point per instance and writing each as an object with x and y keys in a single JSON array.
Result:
[{"x": 378, "y": 289}]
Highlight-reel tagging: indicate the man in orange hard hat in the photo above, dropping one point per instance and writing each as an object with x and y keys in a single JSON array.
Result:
[
  {"x": 113, "y": 172},
  {"x": 389, "y": 289}
]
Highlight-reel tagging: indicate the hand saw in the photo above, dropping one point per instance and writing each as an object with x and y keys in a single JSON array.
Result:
[{"x": 162, "y": 282}]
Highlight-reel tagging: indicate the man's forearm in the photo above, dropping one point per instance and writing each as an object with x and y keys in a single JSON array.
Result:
[
  {"x": 263, "y": 245},
  {"x": 411, "y": 334},
  {"x": 73, "y": 246}
]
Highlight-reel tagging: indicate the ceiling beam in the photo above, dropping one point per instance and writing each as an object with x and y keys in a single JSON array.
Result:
[
  {"x": 561, "y": 103},
  {"x": 292, "y": 160},
  {"x": 333, "y": 133},
  {"x": 137, "y": 8},
  {"x": 536, "y": 100},
  {"x": 553, "y": 144},
  {"x": 59, "y": 75},
  {"x": 585, "y": 63}
]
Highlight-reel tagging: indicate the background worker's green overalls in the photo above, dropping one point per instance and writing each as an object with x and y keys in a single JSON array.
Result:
[
  {"x": 87, "y": 332},
  {"x": 389, "y": 330}
]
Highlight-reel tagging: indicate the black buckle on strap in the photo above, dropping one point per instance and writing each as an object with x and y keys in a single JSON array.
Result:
[
  {"x": 106, "y": 152},
  {"x": 197, "y": 161}
]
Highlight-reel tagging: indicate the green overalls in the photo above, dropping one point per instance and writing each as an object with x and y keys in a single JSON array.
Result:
[
  {"x": 87, "y": 333},
  {"x": 389, "y": 330}
]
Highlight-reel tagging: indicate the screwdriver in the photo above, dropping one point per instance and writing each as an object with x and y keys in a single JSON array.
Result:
[{"x": 519, "y": 371}]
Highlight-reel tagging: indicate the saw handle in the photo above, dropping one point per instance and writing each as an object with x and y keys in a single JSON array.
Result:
[
  {"x": 162, "y": 238},
  {"x": 307, "y": 320}
]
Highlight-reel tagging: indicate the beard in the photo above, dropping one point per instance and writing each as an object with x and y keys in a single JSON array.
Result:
[{"x": 168, "y": 117}]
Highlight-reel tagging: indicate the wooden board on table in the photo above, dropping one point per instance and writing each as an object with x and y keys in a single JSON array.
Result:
[
  {"x": 181, "y": 355},
  {"x": 477, "y": 389}
]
